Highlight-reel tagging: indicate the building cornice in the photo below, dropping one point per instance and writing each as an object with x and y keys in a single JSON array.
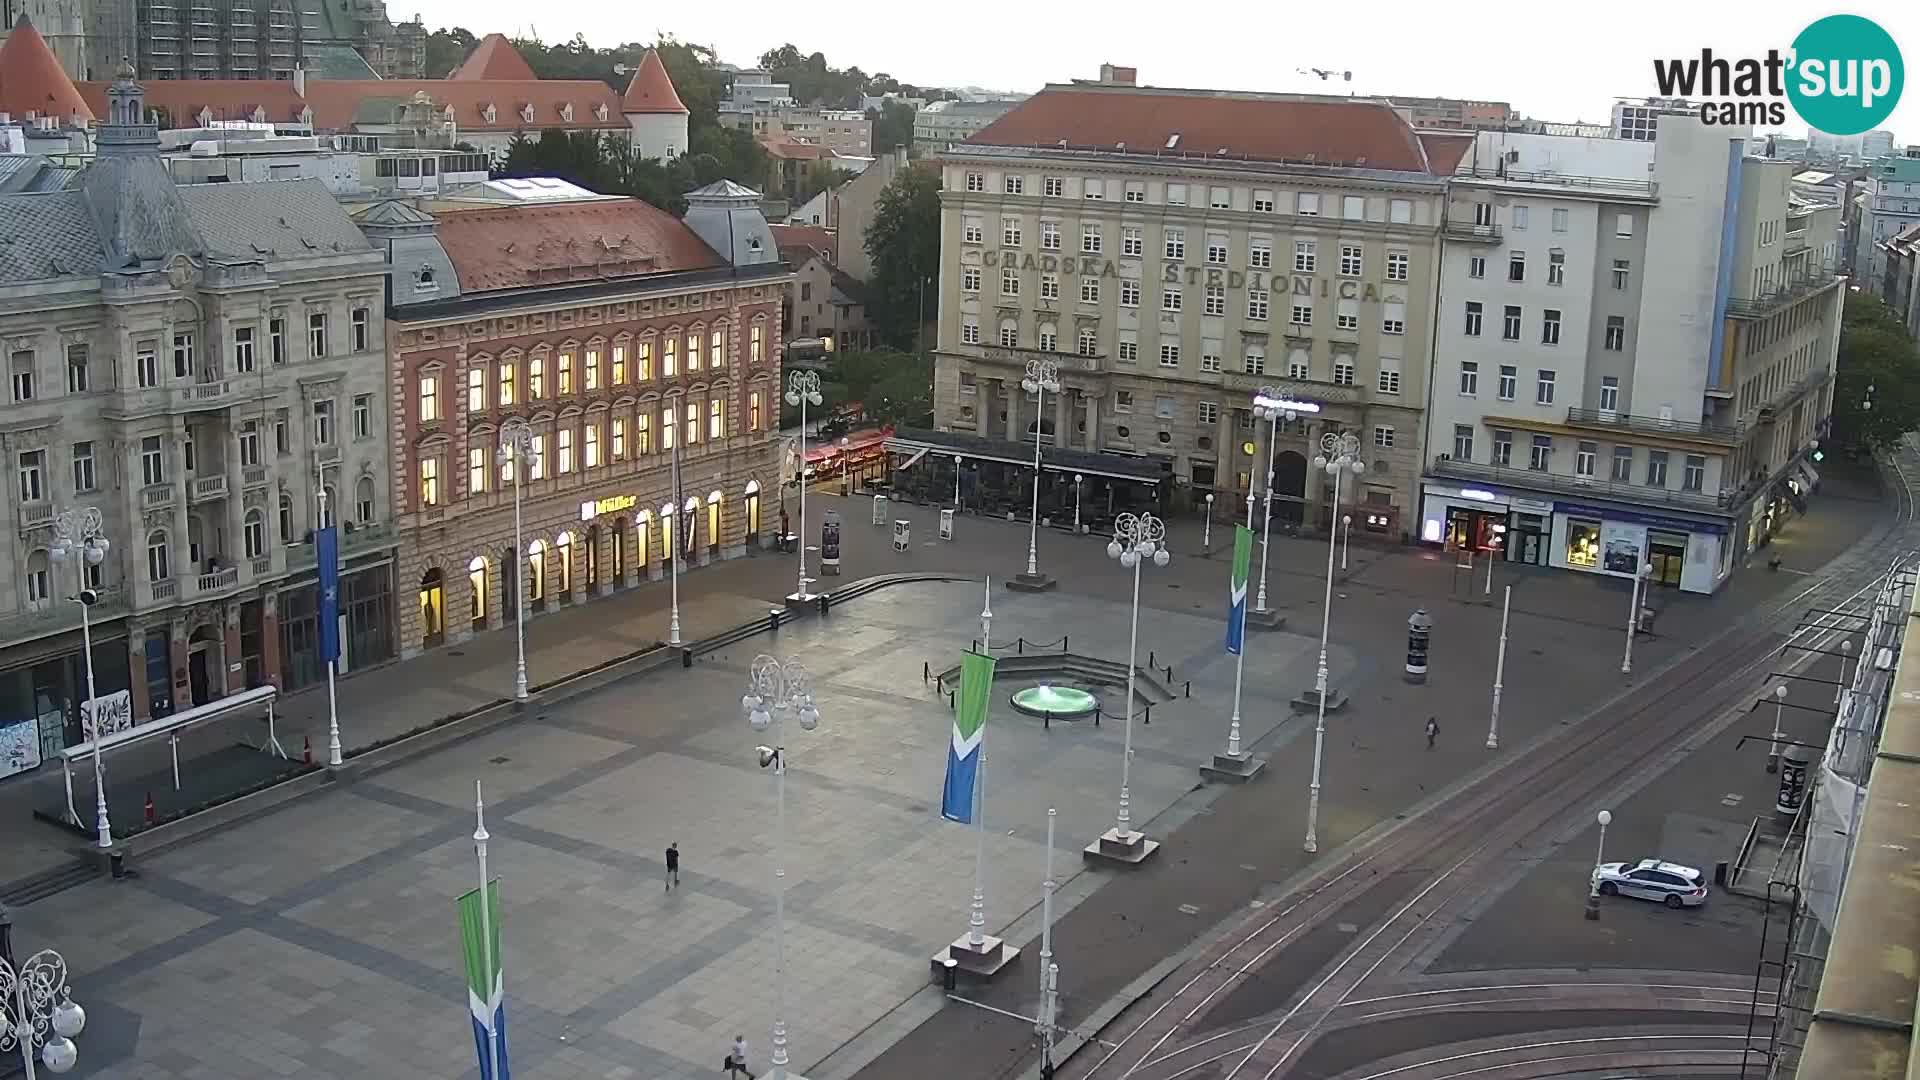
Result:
[
  {"x": 1151, "y": 164},
  {"x": 510, "y": 301}
]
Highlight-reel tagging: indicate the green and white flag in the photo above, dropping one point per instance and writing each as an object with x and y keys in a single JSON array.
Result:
[{"x": 486, "y": 989}]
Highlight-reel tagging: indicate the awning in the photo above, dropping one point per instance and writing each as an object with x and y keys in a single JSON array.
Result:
[
  {"x": 1138, "y": 470},
  {"x": 831, "y": 451}
]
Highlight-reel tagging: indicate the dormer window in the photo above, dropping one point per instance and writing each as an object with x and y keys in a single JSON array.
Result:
[
  {"x": 526, "y": 113},
  {"x": 423, "y": 280},
  {"x": 489, "y": 113},
  {"x": 206, "y": 116},
  {"x": 306, "y": 115},
  {"x": 566, "y": 112},
  {"x": 259, "y": 114},
  {"x": 600, "y": 112}
]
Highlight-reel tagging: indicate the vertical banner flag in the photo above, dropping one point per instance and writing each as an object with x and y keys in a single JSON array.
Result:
[
  {"x": 969, "y": 725},
  {"x": 1237, "y": 589},
  {"x": 326, "y": 548},
  {"x": 486, "y": 988}
]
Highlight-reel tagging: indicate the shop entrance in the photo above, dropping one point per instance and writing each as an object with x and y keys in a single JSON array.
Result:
[
  {"x": 1475, "y": 530},
  {"x": 1668, "y": 554},
  {"x": 1527, "y": 539}
]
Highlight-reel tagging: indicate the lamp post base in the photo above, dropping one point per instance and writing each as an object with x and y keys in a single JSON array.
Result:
[
  {"x": 1266, "y": 619},
  {"x": 1593, "y": 907},
  {"x": 1115, "y": 848},
  {"x": 799, "y": 600},
  {"x": 1031, "y": 582},
  {"x": 1233, "y": 768},
  {"x": 979, "y": 964},
  {"x": 1308, "y": 700}
]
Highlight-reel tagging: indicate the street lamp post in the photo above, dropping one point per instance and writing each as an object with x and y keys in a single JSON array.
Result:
[
  {"x": 775, "y": 691},
  {"x": 1605, "y": 818},
  {"x": 1206, "y": 531},
  {"x": 803, "y": 389},
  {"x": 1077, "y": 481},
  {"x": 1846, "y": 655},
  {"x": 1042, "y": 375},
  {"x": 1049, "y": 971},
  {"x": 1640, "y": 576},
  {"x": 37, "y": 1011},
  {"x": 516, "y": 448},
  {"x": 1269, "y": 405},
  {"x": 1773, "y": 748},
  {"x": 1346, "y": 538},
  {"x": 1339, "y": 456},
  {"x": 957, "y": 459},
  {"x": 1136, "y": 539},
  {"x": 1499, "y": 670},
  {"x": 79, "y": 535}
]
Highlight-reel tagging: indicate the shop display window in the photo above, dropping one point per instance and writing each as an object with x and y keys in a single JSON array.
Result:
[{"x": 1583, "y": 544}]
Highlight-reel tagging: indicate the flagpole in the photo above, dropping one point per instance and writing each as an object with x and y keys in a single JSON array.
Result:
[
  {"x": 1240, "y": 658},
  {"x": 1049, "y": 971},
  {"x": 679, "y": 511},
  {"x": 333, "y": 662},
  {"x": 977, "y": 918},
  {"x": 480, "y": 838}
]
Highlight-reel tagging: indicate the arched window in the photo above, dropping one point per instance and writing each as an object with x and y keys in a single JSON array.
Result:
[
  {"x": 591, "y": 542},
  {"x": 618, "y": 535},
  {"x": 477, "y": 588},
  {"x": 159, "y": 561},
  {"x": 713, "y": 522},
  {"x": 254, "y": 530},
  {"x": 666, "y": 534},
  {"x": 1089, "y": 344},
  {"x": 363, "y": 500},
  {"x": 1049, "y": 337},
  {"x": 537, "y": 573},
  {"x": 753, "y": 512},
  {"x": 1255, "y": 361},
  {"x": 39, "y": 580},
  {"x": 642, "y": 542},
  {"x": 330, "y": 509},
  {"x": 1009, "y": 334},
  {"x": 564, "y": 549},
  {"x": 433, "y": 609},
  {"x": 286, "y": 518},
  {"x": 690, "y": 525}
]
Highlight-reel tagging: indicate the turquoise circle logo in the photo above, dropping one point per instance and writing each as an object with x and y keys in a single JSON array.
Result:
[{"x": 1846, "y": 75}]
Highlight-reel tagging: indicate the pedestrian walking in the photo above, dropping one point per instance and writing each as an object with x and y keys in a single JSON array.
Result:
[
  {"x": 737, "y": 1059},
  {"x": 673, "y": 866},
  {"x": 1433, "y": 730}
]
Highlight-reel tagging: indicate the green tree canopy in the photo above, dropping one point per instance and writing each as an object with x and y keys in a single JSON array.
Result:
[
  {"x": 1875, "y": 351},
  {"x": 904, "y": 243},
  {"x": 446, "y": 49},
  {"x": 892, "y": 125},
  {"x": 892, "y": 387}
]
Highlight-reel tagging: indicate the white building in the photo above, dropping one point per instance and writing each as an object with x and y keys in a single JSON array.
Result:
[
  {"x": 1886, "y": 203},
  {"x": 1635, "y": 343}
]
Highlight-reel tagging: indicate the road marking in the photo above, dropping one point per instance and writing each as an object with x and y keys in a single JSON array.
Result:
[{"x": 1189, "y": 909}]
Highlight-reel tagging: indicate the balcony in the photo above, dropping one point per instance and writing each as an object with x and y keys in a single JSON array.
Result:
[
  {"x": 362, "y": 538},
  {"x": 1588, "y": 487},
  {"x": 254, "y": 477},
  {"x": 163, "y": 592},
  {"x": 208, "y": 487},
  {"x": 327, "y": 455},
  {"x": 1816, "y": 279},
  {"x": 34, "y": 516},
  {"x": 156, "y": 495},
  {"x": 217, "y": 394},
  {"x": 1610, "y": 421},
  {"x": 60, "y": 618},
  {"x": 1612, "y": 187},
  {"x": 218, "y": 581},
  {"x": 1463, "y": 230},
  {"x": 263, "y": 566}
]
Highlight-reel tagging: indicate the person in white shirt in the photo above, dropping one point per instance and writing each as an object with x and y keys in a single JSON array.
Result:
[{"x": 737, "y": 1059}]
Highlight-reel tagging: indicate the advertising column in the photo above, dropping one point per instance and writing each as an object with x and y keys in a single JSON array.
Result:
[{"x": 830, "y": 544}]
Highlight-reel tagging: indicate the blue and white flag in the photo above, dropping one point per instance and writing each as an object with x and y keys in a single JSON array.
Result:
[
  {"x": 1237, "y": 589},
  {"x": 969, "y": 727},
  {"x": 326, "y": 547}
]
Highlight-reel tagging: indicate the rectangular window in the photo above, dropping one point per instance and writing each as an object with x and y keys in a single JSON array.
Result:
[
  {"x": 693, "y": 359},
  {"x": 1474, "y": 314},
  {"x": 1510, "y": 323},
  {"x": 619, "y": 358},
  {"x": 282, "y": 436},
  {"x": 146, "y": 365},
  {"x": 1176, "y": 194},
  {"x": 277, "y": 340},
  {"x": 975, "y": 232},
  {"x": 1220, "y": 198},
  {"x": 1053, "y": 187},
  {"x": 1049, "y": 286},
  {"x": 1560, "y": 220},
  {"x": 1616, "y": 333},
  {"x": 1462, "y": 442},
  {"x": 1210, "y": 356},
  {"x": 1093, "y": 190},
  {"x": 1209, "y": 412},
  {"x": 1089, "y": 290},
  {"x": 476, "y": 470},
  {"x": 1657, "y": 468},
  {"x": 1091, "y": 239},
  {"x": 1305, "y": 256},
  {"x": 1347, "y": 315},
  {"x": 1623, "y": 225},
  {"x": 976, "y": 181},
  {"x": 643, "y": 433},
  {"x": 970, "y": 330},
  {"x": 1695, "y": 476},
  {"x": 1049, "y": 237},
  {"x": 1383, "y": 437},
  {"x": 1516, "y": 266},
  {"x": 182, "y": 355},
  {"x": 243, "y": 349},
  {"x": 590, "y": 372},
  {"x": 1520, "y": 218},
  {"x": 1550, "y": 327},
  {"x": 83, "y": 476},
  {"x": 1169, "y": 354},
  {"x": 1255, "y": 361},
  {"x": 1503, "y": 448},
  {"x": 153, "y": 461},
  {"x": 1541, "y": 454},
  {"x": 970, "y": 279},
  {"x": 1009, "y": 334},
  {"x": 1307, "y": 204},
  {"x": 1469, "y": 378},
  {"x": 1163, "y": 408},
  {"x": 1609, "y": 394},
  {"x": 716, "y": 419},
  {"x": 1049, "y": 338},
  {"x": 33, "y": 483},
  {"x": 1257, "y": 302},
  {"x": 430, "y": 481},
  {"x": 362, "y": 322},
  {"x": 1299, "y": 366},
  {"x": 693, "y": 423},
  {"x": 1343, "y": 371},
  {"x": 1353, "y": 208},
  {"x": 1477, "y": 266},
  {"x": 1400, "y": 211},
  {"x": 1509, "y": 381},
  {"x": 1216, "y": 300},
  {"x": 323, "y": 422},
  {"x": 1543, "y": 389},
  {"x": 476, "y": 390},
  {"x": 1216, "y": 249},
  {"x": 363, "y": 416},
  {"x": 1132, "y": 242},
  {"x": 1302, "y": 315},
  {"x": 1621, "y": 267},
  {"x": 1397, "y": 265},
  {"x": 1389, "y": 380},
  {"x": 1585, "y": 455},
  {"x": 1136, "y": 192},
  {"x": 1010, "y": 232},
  {"x": 1622, "y": 464},
  {"x": 563, "y": 442},
  {"x": 1015, "y": 185},
  {"x": 316, "y": 334},
  {"x": 1129, "y": 293},
  {"x": 429, "y": 398},
  {"x": 1259, "y": 253},
  {"x": 1393, "y": 317},
  {"x": 1009, "y": 285},
  {"x": 1353, "y": 258},
  {"x": 1123, "y": 401},
  {"x": 506, "y": 383},
  {"x": 1176, "y": 244},
  {"x": 1556, "y": 268},
  {"x": 23, "y": 376},
  {"x": 1128, "y": 351},
  {"x": 1172, "y": 300}
]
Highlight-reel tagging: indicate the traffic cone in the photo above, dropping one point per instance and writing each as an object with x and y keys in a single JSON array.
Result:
[
  {"x": 306, "y": 749},
  {"x": 149, "y": 807}
]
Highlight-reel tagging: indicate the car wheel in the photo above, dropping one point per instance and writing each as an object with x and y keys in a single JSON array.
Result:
[
  {"x": 1673, "y": 902},
  {"x": 1608, "y": 888}
]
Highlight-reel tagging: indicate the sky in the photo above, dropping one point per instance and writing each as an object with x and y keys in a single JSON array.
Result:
[{"x": 1551, "y": 61}]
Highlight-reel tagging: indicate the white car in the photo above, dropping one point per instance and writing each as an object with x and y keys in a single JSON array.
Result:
[{"x": 1651, "y": 879}]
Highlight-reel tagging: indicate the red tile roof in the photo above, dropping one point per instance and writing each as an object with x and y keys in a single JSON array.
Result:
[
  {"x": 1248, "y": 126},
  {"x": 651, "y": 90},
  {"x": 516, "y": 247},
  {"x": 1444, "y": 151},
  {"x": 336, "y": 103},
  {"x": 803, "y": 239},
  {"x": 31, "y": 80},
  {"x": 493, "y": 58}
]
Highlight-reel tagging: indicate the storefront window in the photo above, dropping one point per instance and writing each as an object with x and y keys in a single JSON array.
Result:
[{"x": 1583, "y": 544}]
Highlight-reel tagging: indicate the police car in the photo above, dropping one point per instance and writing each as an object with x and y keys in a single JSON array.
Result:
[{"x": 1651, "y": 879}]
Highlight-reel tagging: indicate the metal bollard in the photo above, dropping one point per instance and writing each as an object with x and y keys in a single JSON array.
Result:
[
  {"x": 773, "y": 618},
  {"x": 1169, "y": 672},
  {"x": 926, "y": 671},
  {"x": 1046, "y": 720},
  {"x": 118, "y": 861},
  {"x": 1020, "y": 646},
  {"x": 1149, "y": 711},
  {"x": 1096, "y": 715},
  {"x": 1189, "y": 687},
  {"x": 824, "y": 599},
  {"x": 686, "y": 657},
  {"x": 949, "y": 974},
  {"x": 1151, "y": 662}
]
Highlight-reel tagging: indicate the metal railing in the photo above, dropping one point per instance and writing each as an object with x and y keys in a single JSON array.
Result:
[
  {"x": 362, "y": 538},
  {"x": 1654, "y": 425},
  {"x": 33, "y": 515},
  {"x": 209, "y": 487},
  {"x": 61, "y": 617},
  {"x": 1609, "y": 184},
  {"x": 1463, "y": 230},
  {"x": 1595, "y": 487},
  {"x": 1814, "y": 280}
]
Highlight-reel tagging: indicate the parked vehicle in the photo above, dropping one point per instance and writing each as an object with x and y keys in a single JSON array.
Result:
[{"x": 1668, "y": 883}]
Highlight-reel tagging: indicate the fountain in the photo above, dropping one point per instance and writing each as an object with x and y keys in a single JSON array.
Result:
[{"x": 1059, "y": 702}]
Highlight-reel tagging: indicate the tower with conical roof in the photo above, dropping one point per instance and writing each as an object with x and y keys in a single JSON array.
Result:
[
  {"x": 137, "y": 212},
  {"x": 33, "y": 84},
  {"x": 655, "y": 116}
]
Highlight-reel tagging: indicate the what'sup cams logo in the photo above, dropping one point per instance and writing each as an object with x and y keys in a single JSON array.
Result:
[{"x": 1843, "y": 76}]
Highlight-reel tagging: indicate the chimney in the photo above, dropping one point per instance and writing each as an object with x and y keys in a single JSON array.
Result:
[
  {"x": 1118, "y": 76},
  {"x": 299, "y": 81}
]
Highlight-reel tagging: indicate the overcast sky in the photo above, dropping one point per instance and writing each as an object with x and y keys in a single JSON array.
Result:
[{"x": 1549, "y": 61}]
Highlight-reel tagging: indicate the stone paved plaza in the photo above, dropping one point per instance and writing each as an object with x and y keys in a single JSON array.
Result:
[{"x": 320, "y": 940}]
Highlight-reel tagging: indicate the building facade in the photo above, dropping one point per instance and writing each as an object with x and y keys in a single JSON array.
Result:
[
  {"x": 620, "y": 336},
  {"x": 1174, "y": 266},
  {"x": 1584, "y": 414},
  {"x": 1456, "y": 114},
  {"x": 1887, "y": 201},
  {"x": 823, "y": 301},
  {"x": 943, "y": 124},
  {"x": 199, "y": 364}
]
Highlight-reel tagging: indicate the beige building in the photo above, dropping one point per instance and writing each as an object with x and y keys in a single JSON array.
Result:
[
  {"x": 196, "y": 363},
  {"x": 1176, "y": 251}
]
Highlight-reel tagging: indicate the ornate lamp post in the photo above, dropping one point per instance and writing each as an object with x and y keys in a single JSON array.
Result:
[
  {"x": 37, "y": 1011},
  {"x": 1137, "y": 539},
  {"x": 1339, "y": 456},
  {"x": 803, "y": 389},
  {"x": 1042, "y": 375},
  {"x": 777, "y": 690},
  {"x": 79, "y": 536},
  {"x": 516, "y": 449}
]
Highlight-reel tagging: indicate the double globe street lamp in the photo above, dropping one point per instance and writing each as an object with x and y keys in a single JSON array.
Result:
[
  {"x": 803, "y": 389},
  {"x": 37, "y": 1012},
  {"x": 777, "y": 691},
  {"x": 1137, "y": 539},
  {"x": 1340, "y": 457},
  {"x": 79, "y": 537},
  {"x": 1042, "y": 376}
]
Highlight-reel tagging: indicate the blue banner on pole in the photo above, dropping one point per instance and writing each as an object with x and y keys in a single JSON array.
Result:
[{"x": 326, "y": 548}]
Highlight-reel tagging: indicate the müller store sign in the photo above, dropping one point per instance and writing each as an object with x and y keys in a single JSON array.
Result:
[
  {"x": 1177, "y": 273},
  {"x": 612, "y": 504}
]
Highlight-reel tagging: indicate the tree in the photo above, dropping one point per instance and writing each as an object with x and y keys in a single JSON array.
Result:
[
  {"x": 892, "y": 125},
  {"x": 892, "y": 387},
  {"x": 446, "y": 49},
  {"x": 904, "y": 243},
  {"x": 1877, "y": 352},
  {"x": 820, "y": 176}
]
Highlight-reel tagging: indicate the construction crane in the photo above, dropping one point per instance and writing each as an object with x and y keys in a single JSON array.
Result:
[{"x": 1327, "y": 75}]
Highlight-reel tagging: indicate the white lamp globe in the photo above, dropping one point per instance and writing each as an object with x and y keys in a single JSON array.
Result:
[
  {"x": 1161, "y": 558},
  {"x": 1606, "y": 817},
  {"x": 793, "y": 398},
  {"x": 69, "y": 1019},
  {"x": 1129, "y": 559},
  {"x": 1113, "y": 549},
  {"x": 748, "y": 703},
  {"x": 97, "y": 551},
  {"x": 760, "y": 718},
  {"x": 809, "y": 717},
  {"x": 59, "y": 1054},
  {"x": 1359, "y": 467},
  {"x": 1145, "y": 548},
  {"x": 1319, "y": 461}
]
